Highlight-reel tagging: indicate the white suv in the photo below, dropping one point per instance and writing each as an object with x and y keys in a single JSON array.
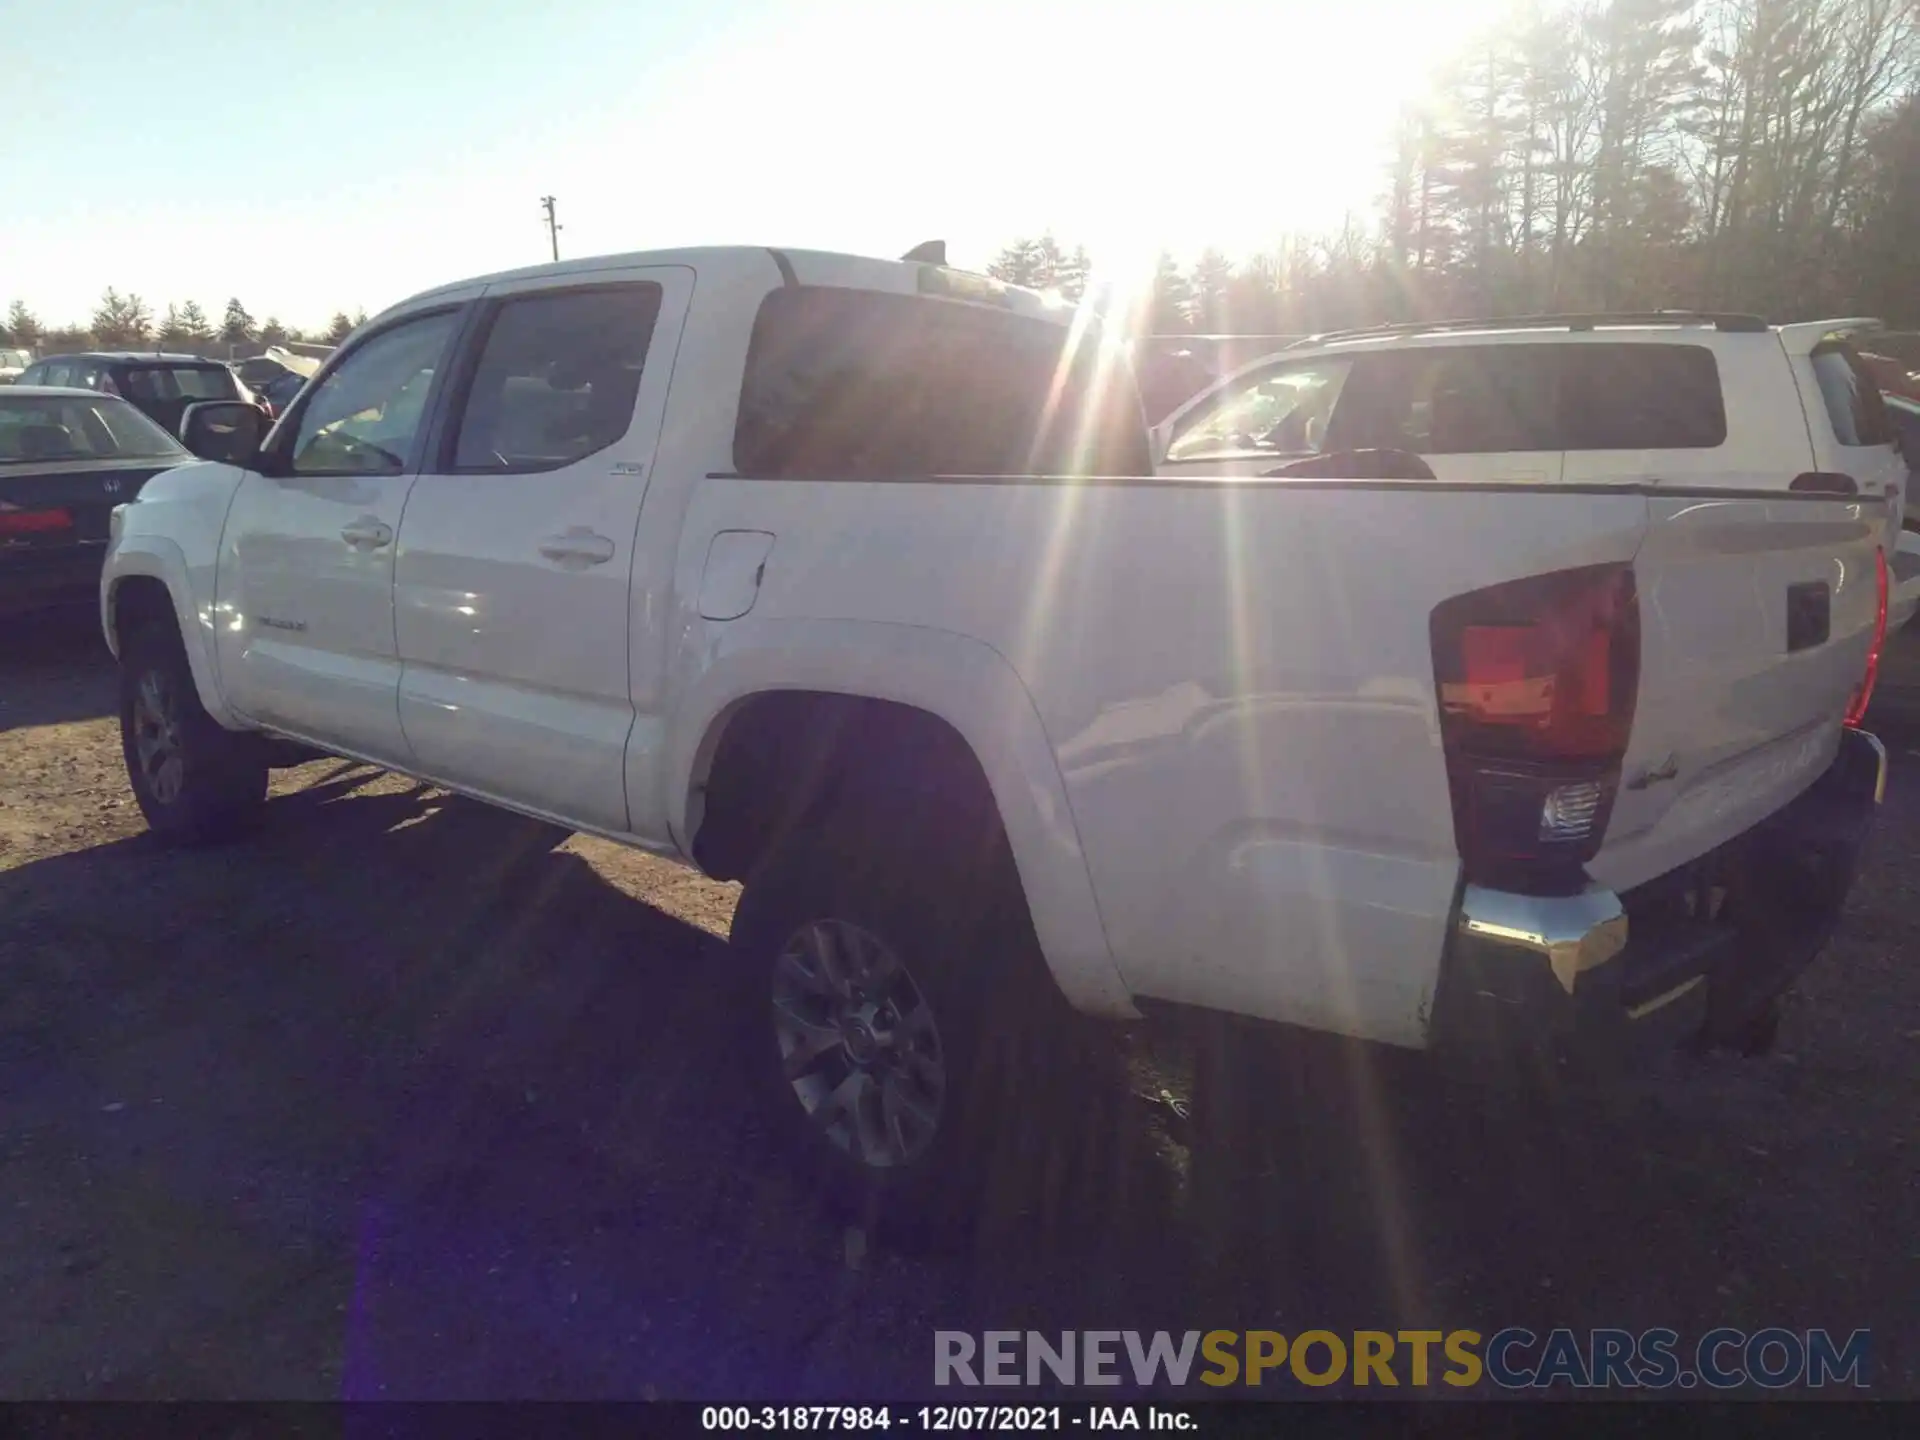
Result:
[{"x": 1687, "y": 399}]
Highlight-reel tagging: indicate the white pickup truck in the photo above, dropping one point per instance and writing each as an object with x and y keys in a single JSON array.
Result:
[{"x": 851, "y": 579}]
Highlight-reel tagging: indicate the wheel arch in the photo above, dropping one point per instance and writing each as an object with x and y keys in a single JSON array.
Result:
[
  {"x": 148, "y": 577},
  {"x": 959, "y": 685}
]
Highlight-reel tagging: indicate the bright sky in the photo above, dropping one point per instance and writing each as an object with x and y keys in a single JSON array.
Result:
[{"x": 340, "y": 154}]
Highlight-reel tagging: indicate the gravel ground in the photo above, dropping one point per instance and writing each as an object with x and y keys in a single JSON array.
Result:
[{"x": 408, "y": 1098}]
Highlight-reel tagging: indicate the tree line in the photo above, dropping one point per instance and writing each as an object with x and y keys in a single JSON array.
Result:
[
  {"x": 1752, "y": 155},
  {"x": 127, "y": 322}
]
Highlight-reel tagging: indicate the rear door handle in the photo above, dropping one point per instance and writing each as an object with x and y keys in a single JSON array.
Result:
[
  {"x": 577, "y": 549},
  {"x": 367, "y": 534}
]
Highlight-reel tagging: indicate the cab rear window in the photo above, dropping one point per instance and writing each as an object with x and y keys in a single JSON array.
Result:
[{"x": 855, "y": 384}]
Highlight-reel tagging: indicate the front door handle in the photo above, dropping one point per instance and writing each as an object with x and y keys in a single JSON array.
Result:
[
  {"x": 367, "y": 534},
  {"x": 577, "y": 549}
]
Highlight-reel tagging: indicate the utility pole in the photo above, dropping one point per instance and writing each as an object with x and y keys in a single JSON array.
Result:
[{"x": 553, "y": 225}]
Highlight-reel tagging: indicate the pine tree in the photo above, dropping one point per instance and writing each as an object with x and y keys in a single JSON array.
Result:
[
  {"x": 339, "y": 328},
  {"x": 236, "y": 326},
  {"x": 23, "y": 327},
  {"x": 1170, "y": 310},
  {"x": 1071, "y": 278},
  {"x": 195, "y": 326},
  {"x": 1019, "y": 264},
  {"x": 122, "y": 320},
  {"x": 173, "y": 330},
  {"x": 274, "y": 333},
  {"x": 1212, "y": 291},
  {"x": 1047, "y": 262}
]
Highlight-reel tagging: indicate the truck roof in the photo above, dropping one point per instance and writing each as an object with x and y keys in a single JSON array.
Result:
[{"x": 811, "y": 267}]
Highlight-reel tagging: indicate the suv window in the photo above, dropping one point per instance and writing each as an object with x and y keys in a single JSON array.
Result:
[
  {"x": 557, "y": 378},
  {"x": 1452, "y": 400},
  {"x": 177, "y": 382},
  {"x": 858, "y": 384},
  {"x": 363, "y": 417},
  {"x": 1640, "y": 397},
  {"x": 1853, "y": 400},
  {"x": 1281, "y": 412}
]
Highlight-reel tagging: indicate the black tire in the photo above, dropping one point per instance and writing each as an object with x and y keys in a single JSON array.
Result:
[
  {"x": 196, "y": 781},
  {"x": 1010, "y": 1050}
]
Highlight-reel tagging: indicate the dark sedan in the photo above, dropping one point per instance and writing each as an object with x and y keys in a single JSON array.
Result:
[{"x": 67, "y": 457}]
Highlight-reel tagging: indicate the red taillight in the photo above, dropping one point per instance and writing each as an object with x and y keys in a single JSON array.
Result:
[
  {"x": 33, "y": 522},
  {"x": 1537, "y": 680},
  {"x": 1863, "y": 694}
]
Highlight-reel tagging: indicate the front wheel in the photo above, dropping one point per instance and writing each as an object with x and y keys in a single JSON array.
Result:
[{"x": 194, "y": 780}]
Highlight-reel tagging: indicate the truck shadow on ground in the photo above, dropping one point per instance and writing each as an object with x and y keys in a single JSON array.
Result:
[{"x": 488, "y": 1104}]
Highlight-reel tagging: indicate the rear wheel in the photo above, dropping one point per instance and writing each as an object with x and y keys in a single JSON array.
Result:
[
  {"x": 195, "y": 781},
  {"x": 903, "y": 1037}
]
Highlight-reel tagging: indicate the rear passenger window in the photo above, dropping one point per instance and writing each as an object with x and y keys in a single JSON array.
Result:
[
  {"x": 1640, "y": 397},
  {"x": 858, "y": 384},
  {"x": 1853, "y": 400},
  {"x": 557, "y": 378}
]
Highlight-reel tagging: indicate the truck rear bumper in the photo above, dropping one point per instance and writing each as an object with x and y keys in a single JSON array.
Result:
[{"x": 1695, "y": 956}]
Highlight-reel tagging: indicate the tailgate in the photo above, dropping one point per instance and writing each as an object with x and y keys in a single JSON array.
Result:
[{"x": 1756, "y": 619}]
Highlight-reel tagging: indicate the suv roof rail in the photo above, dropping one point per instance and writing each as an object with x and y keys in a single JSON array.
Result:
[{"x": 1720, "y": 320}]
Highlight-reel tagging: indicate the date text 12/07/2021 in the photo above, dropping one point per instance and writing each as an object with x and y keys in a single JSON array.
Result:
[{"x": 945, "y": 1418}]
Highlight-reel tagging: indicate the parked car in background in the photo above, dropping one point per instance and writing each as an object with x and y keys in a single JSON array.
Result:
[
  {"x": 279, "y": 392},
  {"x": 160, "y": 385},
  {"x": 1905, "y": 416},
  {"x": 1668, "y": 399},
  {"x": 1904, "y": 602},
  {"x": 67, "y": 457},
  {"x": 1169, "y": 376},
  {"x": 1893, "y": 359},
  {"x": 12, "y": 363},
  {"x": 277, "y": 375},
  {"x": 1172, "y": 369}
]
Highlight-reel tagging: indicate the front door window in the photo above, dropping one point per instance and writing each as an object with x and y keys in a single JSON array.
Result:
[{"x": 365, "y": 416}]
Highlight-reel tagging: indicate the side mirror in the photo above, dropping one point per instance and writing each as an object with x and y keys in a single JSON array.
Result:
[{"x": 227, "y": 431}]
